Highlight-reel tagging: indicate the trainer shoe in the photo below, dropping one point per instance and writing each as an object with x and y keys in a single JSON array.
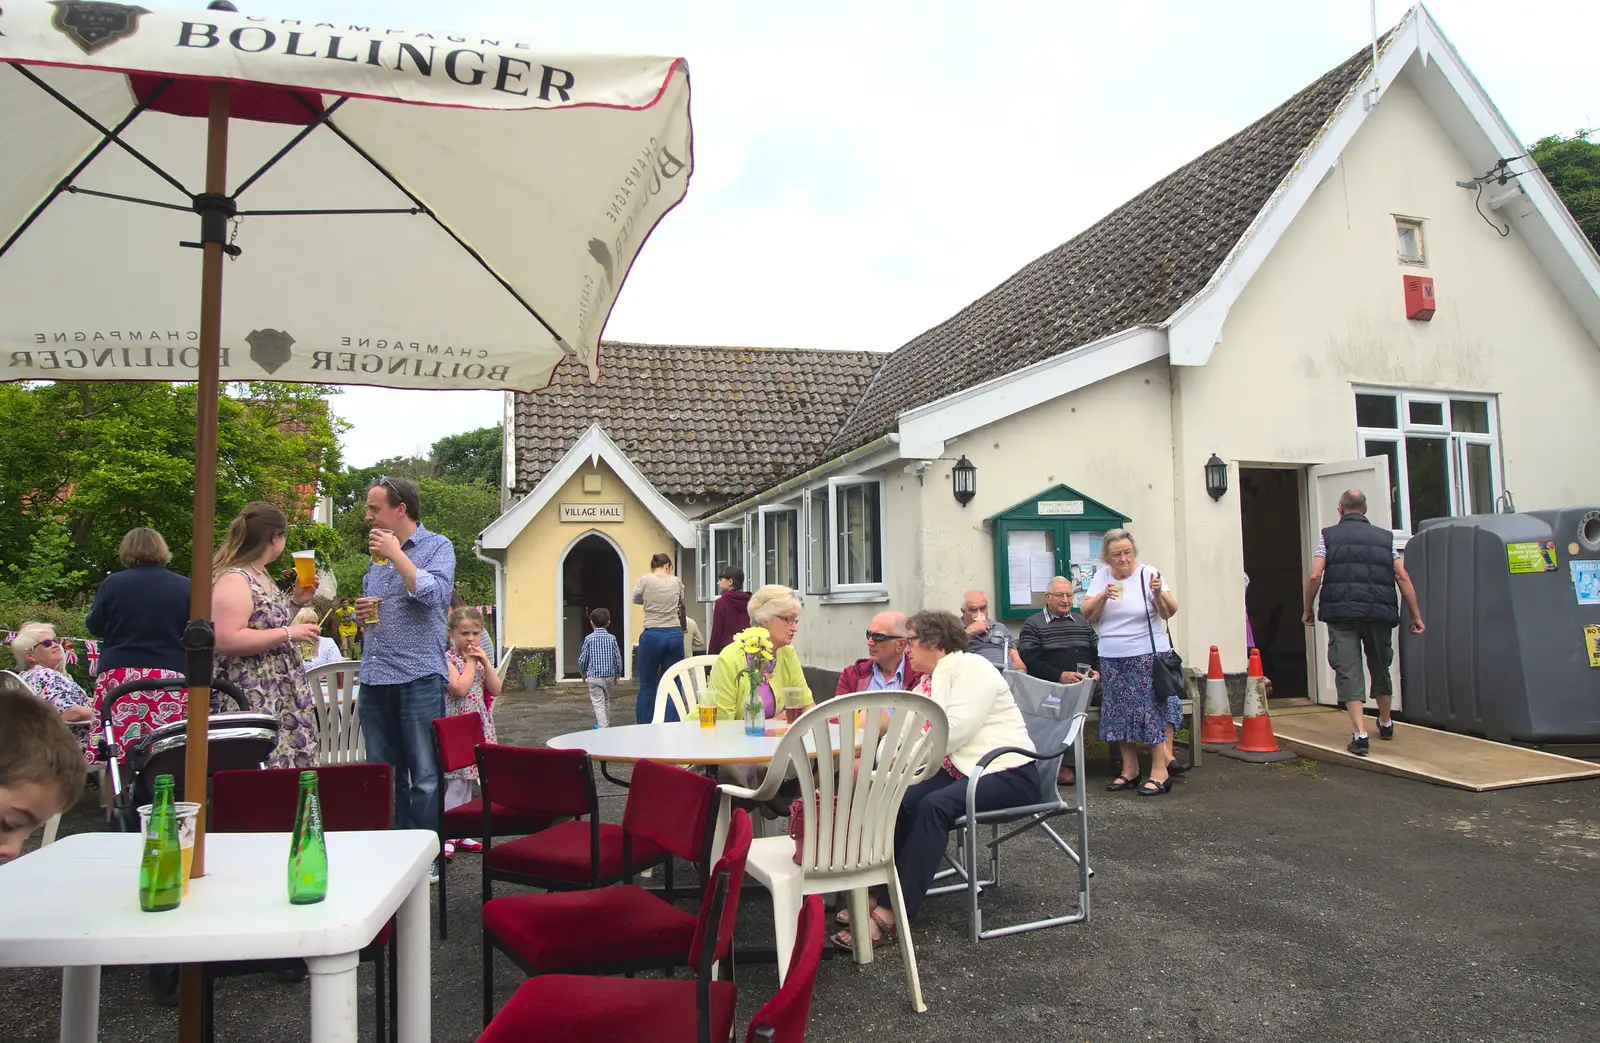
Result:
[
  {"x": 1359, "y": 745},
  {"x": 1386, "y": 731}
]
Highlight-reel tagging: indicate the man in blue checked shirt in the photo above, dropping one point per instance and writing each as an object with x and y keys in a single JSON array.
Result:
[{"x": 403, "y": 671}]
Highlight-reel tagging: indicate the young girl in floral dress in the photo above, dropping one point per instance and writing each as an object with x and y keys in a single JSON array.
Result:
[{"x": 473, "y": 686}]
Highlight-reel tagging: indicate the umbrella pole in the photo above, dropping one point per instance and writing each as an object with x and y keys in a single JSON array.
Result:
[{"x": 199, "y": 639}]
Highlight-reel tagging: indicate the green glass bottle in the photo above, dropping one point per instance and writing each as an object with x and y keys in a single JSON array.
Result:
[
  {"x": 308, "y": 850},
  {"x": 161, "y": 866}
]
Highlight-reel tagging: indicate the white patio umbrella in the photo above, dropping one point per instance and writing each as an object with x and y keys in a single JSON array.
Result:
[{"x": 402, "y": 208}]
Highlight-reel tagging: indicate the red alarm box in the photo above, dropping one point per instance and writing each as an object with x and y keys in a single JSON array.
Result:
[{"x": 1419, "y": 297}]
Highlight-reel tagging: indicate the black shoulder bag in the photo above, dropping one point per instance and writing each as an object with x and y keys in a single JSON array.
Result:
[{"x": 1166, "y": 671}]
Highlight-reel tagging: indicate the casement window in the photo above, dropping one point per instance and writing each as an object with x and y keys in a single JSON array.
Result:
[
  {"x": 1408, "y": 241},
  {"x": 721, "y": 545},
  {"x": 779, "y": 551},
  {"x": 1443, "y": 450},
  {"x": 855, "y": 524}
]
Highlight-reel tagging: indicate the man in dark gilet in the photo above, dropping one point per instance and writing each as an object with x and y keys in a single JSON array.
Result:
[{"x": 1357, "y": 569}]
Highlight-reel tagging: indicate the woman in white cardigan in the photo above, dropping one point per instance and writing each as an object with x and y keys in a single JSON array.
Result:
[{"x": 983, "y": 717}]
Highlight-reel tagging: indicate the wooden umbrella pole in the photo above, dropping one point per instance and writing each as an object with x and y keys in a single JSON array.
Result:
[{"x": 199, "y": 641}]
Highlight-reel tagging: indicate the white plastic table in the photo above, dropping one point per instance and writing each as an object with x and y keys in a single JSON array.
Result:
[
  {"x": 676, "y": 742},
  {"x": 75, "y": 905}
]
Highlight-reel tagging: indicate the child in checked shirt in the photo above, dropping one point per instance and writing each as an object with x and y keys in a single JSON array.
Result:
[{"x": 601, "y": 663}]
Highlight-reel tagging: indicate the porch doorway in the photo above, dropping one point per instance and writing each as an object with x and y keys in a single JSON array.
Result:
[
  {"x": 1270, "y": 500},
  {"x": 591, "y": 577}
]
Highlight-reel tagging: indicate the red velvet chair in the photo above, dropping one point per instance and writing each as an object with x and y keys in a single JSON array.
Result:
[
  {"x": 455, "y": 744},
  {"x": 353, "y": 797},
  {"x": 612, "y": 930},
  {"x": 570, "y": 1008},
  {"x": 570, "y": 856},
  {"x": 782, "y": 1019}
]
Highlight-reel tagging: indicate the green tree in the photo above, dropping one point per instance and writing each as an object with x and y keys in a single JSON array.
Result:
[
  {"x": 1572, "y": 166},
  {"x": 96, "y": 459},
  {"x": 473, "y": 456}
]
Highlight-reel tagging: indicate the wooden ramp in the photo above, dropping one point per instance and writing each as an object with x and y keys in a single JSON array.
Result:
[{"x": 1427, "y": 754}]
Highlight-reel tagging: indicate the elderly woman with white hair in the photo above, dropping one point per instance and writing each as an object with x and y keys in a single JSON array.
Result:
[{"x": 40, "y": 656}]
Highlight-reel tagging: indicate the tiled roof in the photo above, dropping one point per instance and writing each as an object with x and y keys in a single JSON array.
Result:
[
  {"x": 1137, "y": 266},
  {"x": 697, "y": 421}
]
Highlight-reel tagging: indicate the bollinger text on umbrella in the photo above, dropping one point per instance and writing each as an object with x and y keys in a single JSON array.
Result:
[{"x": 464, "y": 65}]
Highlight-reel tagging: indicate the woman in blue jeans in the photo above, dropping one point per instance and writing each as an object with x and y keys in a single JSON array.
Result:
[{"x": 661, "y": 644}]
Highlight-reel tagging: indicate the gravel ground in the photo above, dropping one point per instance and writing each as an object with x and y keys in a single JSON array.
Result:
[{"x": 1252, "y": 903}]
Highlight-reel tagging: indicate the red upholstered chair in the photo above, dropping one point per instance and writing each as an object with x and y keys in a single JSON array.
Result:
[
  {"x": 782, "y": 1019},
  {"x": 455, "y": 743},
  {"x": 353, "y": 797},
  {"x": 570, "y": 1008},
  {"x": 610, "y": 930},
  {"x": 571, "y": 856}
]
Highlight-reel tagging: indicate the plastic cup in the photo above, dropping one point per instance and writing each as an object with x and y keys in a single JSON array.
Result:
[
  {"x": 371, "y": 610},
  {"x": 305, "y": 568},
  {"x": 1114, "y": 591},
  {"x": 188, "y": 817},
  {"x": 379, "y": 559},
  {"x": 792, "y": 708},
  {"x": 708, "y": 715}
]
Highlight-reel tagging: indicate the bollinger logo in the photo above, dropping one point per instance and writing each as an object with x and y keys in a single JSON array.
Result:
[
  {"x": 94, "y": 26},
  {"x": 269, "y": 349}
]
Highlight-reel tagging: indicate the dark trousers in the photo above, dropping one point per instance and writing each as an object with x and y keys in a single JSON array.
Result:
[
  {"x": 922, "y": 830},
  {"x": 397, "y": 724},
  {"x": 660, "y": 648}
]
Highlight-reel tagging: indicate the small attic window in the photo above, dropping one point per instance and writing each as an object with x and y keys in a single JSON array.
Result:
[{"x": 1408, "y": 240}]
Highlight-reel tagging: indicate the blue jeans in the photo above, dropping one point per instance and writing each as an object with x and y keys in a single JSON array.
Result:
[
  {"x": 397, "y": 724},
  {"x": 659, "y": 649}
]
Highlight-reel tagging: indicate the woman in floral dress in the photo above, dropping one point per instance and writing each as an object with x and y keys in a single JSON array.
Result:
[
  {"x": 470, "y": 678},
  {"x": 257, "y": 646}
]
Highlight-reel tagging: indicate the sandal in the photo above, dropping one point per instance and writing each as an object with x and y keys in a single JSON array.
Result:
[
  {"x": 886, "y": 929},
  {"x": 1122, "y": 782},
  {"x": 1152, "y": 788}
]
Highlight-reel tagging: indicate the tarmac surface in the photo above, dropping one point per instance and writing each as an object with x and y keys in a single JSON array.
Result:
[{"x": 1253, "y": 902}]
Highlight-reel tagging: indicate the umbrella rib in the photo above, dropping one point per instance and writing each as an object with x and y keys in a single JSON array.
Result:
[
  {"x": 110, "y": 135},
  {"x": 297, "y": 139},
  {"x": 66, "y": 183},
  {"x": 424, "y": 208},
  {"x": 79, "y": 191},
  {"x": 319, "y": 213}
]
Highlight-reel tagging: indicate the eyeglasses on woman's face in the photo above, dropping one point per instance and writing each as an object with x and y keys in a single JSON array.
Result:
[{"x": 793, "y": 621}]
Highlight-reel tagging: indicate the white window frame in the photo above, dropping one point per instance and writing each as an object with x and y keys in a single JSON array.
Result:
[
  {"x": 1457, "y": 479},
  {"x": 835, "y": 584},
  {"x": 1415, "y": 224},
  {"x": 813, "y": 567},
  {"x": 709, "y": 590},
  {"x": 762, "y": 514},
  {"x": 704, "y": 544}
]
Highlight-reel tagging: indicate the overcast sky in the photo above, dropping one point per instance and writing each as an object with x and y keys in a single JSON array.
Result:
[{"x": 864, "y": 168}]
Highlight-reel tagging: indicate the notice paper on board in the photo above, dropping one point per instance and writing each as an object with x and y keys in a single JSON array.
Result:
[
  {"x": 1524, "y": 558},
  {"x": 1586, "y": 581}
]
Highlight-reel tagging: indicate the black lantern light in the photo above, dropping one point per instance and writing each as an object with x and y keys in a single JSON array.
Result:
[
  {"x": 1216, "y": 477},
  {"x": 964, "y": 480}
]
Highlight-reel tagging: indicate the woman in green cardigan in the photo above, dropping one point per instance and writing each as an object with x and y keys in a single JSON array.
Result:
[{"x": 776, "y": 610}]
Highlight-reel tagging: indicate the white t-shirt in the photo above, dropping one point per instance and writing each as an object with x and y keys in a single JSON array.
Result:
[{"x": 1122, "y": 624}]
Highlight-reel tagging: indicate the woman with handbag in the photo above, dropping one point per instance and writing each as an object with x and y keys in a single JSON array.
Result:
[{"x": 1141, "y": 675}]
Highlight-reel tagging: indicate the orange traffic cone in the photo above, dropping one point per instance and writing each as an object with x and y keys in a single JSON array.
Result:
[
  {"x": 1257, "y": 736},
  {"x": 1217, "y": 725}
]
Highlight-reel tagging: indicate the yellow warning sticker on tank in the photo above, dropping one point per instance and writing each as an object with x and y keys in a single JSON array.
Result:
[
  {"x": 1591, "y": 637},
  {"x": 1531, "y": 557}
]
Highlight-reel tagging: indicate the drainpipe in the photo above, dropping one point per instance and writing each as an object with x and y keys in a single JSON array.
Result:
[
  {"x": 798, "y": 480},
  {"x": 499, "y": 596}
]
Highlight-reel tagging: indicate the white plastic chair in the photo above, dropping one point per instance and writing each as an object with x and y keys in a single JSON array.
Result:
[
  {"x": 339, "y": 738},
  {"x": 686, "y": 683},
  {"x": 852, "y": 849}
]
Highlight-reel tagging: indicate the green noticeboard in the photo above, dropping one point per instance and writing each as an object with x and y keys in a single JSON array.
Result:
[{"x": 1056, "y": 533}]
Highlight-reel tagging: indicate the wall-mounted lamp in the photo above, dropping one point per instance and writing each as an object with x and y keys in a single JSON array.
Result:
[
  {"x": 964, "y": 480},
  {"x": 1216, "y": 477}
]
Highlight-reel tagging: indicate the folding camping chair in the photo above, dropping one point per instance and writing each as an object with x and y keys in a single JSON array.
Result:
[{"x": 1054, "y": 715}]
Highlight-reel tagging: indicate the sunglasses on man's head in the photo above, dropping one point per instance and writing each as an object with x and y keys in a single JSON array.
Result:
[{"x": 878, "y": 639}]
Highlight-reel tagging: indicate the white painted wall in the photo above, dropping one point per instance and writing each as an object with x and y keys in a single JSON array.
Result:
[{"x": 1325, "y": 312}]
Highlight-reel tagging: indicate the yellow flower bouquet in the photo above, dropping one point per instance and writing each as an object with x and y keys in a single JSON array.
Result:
[{"x": 759, "y": 660}]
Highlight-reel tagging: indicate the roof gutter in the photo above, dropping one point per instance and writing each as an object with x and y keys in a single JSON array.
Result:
[
  {"x": 499, "y": 596},
  {"x": 799, "y": 480}
]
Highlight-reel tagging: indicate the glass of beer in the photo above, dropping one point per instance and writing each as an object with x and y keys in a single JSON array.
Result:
[
  {"x": 188, "y": 816},
  {"x": 367, "y": 609},
  {"x": 1114, "y": 591},
  {"x": 708, "y": 715},
  {"x": 379, "y": 559},
  {"x": 792, "y": 706},
  {"x": 305, "y": 568}
]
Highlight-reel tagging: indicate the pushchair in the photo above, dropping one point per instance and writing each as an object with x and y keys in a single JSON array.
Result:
[{"x": 239, "y": 739}]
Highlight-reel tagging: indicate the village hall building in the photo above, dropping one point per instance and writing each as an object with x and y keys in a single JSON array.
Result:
[{"x": 1370, "y": 286}]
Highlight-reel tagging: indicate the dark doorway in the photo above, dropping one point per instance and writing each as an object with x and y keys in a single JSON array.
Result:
[
  {"x": 1269, "y": 509},
  {"x": 591, "y": 578}
]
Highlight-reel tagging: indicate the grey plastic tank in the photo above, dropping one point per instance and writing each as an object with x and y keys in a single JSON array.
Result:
[{"x": 1506, "y": 654}]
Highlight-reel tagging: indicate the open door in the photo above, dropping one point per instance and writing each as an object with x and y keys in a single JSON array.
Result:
[{"x": 1324, "y": 485}]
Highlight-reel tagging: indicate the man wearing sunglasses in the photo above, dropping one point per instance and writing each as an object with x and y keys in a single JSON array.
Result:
[{"x": 885, "y": 666}]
